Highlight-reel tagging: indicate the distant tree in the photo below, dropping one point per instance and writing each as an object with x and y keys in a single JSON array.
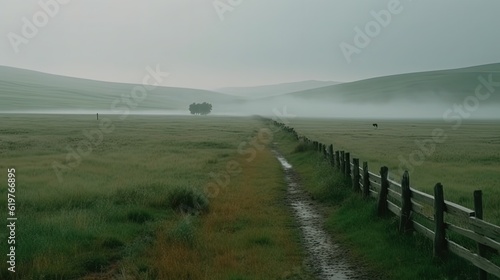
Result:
[
  {"x": 200, "y": 108},
  {"x": 192, "y": 108}
]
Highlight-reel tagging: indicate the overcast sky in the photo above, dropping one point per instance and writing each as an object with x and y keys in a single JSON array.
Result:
[{"x": 247, "y": 42}]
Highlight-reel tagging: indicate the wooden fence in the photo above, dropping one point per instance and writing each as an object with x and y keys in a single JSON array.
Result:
[{"x": 419, "y": 211}]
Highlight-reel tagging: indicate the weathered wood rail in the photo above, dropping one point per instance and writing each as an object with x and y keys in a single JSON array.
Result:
[{"x": 417, "y": 210}]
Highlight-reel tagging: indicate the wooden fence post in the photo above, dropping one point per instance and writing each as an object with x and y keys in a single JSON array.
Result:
[
  {"x": 330, "y": 153},
  {"x": 325, "y": 151},
  {"x": 355, "y": 175},
  {"x": 384, "y": 189},
  {"x": 439, "y": 234},
  {"x": 342, "y": 162},
  {"x": 405, "y": 224},
  {"x": 348, "y": 164},
  {"x": 366, "y": 180},
  {"x": 337, "y": 160},
  {"x": 478, "y": 209}
]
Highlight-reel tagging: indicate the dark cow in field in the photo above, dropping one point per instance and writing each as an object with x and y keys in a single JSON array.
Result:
[{"x": 375, "y": 125}]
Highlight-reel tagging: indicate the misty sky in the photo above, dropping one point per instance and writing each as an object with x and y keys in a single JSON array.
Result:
[{"x": 255, "y": 42}]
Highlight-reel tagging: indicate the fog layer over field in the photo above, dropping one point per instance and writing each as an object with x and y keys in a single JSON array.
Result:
[
  {"x": 448, "y": 94},
  {"x": 395, "y": 109},
  {"x": 294, "y": 107}
]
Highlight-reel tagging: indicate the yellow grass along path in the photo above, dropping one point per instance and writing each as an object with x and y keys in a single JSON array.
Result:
[{"x": 248, "y": 233}]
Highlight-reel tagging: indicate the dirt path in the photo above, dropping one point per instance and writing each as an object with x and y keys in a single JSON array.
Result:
[{"x": 325, "y": 257}]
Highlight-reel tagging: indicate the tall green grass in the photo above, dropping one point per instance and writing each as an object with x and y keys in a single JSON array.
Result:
[{"x": 107, "y": 210}]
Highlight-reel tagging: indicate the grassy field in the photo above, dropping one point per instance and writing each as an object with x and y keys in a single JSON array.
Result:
[
  {"x": 469, "y": 158},
  {"x": 120, "y": 209},
  {"x": 120, "y": 206}
]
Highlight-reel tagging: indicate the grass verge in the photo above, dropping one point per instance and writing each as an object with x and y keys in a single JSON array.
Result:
[
  {"x": 374, "y": 242},
  {"x": 247, "y": 234}
]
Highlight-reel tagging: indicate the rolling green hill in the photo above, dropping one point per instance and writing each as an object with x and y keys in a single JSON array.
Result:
[
  {"x": 416, "y": 95},
  {"x": 445, "y": 86},
  {"x": 31, "y": 91}
]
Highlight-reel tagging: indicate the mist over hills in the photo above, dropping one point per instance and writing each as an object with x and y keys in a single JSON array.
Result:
[
  {"x": 275, "y": 90},
  {"x": 444, "y": 86},
  {"x": 412, "y": 95}
]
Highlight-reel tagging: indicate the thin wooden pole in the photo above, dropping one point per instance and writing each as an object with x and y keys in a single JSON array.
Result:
[
  {"x": 330, "y": 153},
  {"x": 366, "y": 180},
  {"x": 405, "y": 224},
  {"x": 384, "y": 189},
  {"x": 347, "y": 164},
  {"x": 478, "y": 209},
  {"x": 355, "y": 175},
  {"x": 439, "y": 234},
  {"x": 342, "y": 162},
  {"x": 337, "y": 160}
]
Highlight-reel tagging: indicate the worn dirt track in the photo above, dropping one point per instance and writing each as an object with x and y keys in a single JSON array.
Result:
[{"x": 327, "y": 259}]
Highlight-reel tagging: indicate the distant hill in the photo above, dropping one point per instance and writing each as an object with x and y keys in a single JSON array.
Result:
[
  {"x": 27, "y": 91},
  {"x": 445, "y": 86},
  {"x": 413, "y": 95},
  {"x": 275, "y": 90}
]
